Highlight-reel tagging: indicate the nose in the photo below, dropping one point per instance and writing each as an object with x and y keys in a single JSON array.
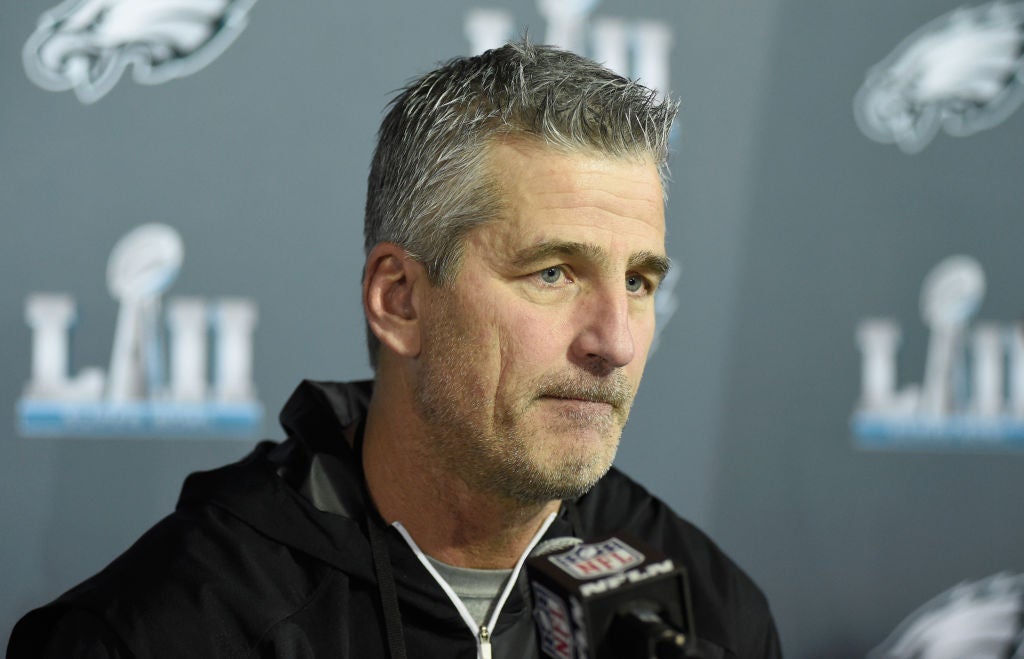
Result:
[{"x": 605, "y": 338}]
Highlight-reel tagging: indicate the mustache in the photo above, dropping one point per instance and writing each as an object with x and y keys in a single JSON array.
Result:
[{"x": 615, "y": 389}]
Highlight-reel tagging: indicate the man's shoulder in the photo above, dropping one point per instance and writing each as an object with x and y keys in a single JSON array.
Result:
[
  {"x": 195, "y": 576},
  {"x": 201, "y": 578}
]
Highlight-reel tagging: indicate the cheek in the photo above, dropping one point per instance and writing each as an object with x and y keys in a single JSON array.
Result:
[
  {"x": 532, "y": 342},
  {"x": 644, "y": 332}
]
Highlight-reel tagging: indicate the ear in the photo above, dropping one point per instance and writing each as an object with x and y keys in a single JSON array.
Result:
[{"x": 388, "y": 299}]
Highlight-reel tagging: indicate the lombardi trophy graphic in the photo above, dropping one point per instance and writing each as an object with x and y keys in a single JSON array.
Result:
[{"x": 151, "y": 389}]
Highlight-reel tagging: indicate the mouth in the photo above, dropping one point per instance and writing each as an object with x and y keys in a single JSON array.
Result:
[
  {"x": 583, "y": 407},
  {"x": 580, "y": 399},
  {"x": 588, "y": 398}
]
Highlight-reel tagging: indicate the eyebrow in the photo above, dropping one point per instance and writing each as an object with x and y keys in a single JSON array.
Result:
[
  {"x": 653, "y": 264},
  {"x": 646, "y": 261}
]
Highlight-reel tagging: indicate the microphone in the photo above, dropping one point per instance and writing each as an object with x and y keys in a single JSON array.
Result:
[{"x": 612, "y": 598}]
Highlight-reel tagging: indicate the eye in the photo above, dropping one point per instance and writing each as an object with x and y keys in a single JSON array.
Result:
[
  {"x": 551, "y": 275},
  {"x": 635, "y": 283}
]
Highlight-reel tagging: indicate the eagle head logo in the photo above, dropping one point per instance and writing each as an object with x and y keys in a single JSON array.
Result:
[
  {"x": 961, "y": 72},
  {"x": 86, "y": 45},
  {"x": 981, "y": 620}
]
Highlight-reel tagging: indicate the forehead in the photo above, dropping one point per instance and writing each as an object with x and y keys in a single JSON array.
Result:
[{"x": 547, "y": 194}]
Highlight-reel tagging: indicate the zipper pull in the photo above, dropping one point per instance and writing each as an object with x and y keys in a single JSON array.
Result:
[{"x": 485, "y": 642}]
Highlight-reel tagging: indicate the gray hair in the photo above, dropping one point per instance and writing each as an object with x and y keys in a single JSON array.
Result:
[{"x": 428, "y": 186}]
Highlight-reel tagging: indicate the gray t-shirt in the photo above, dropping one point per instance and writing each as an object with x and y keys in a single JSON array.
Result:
[{"x": 478, "y": 589}]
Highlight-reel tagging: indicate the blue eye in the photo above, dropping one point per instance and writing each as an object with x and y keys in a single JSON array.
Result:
[
  {"x": 634, "y": 283},
  {"x": 551, "y": 275}
]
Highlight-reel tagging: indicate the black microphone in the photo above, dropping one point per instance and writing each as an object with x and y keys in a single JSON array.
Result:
[{"x": 613, "y": 598}]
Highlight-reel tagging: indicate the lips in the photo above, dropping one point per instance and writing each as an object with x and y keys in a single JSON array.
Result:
[
  {"x": 588, "y": 394},
  {"x": 589, "y": 410},
  {"x": 576, "y": 399}
]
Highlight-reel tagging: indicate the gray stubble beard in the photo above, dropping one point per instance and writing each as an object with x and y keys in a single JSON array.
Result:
[{"x": 499, "y": 462}]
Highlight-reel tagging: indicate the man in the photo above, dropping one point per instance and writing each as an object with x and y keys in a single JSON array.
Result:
[{"x": 515, "y": 238}]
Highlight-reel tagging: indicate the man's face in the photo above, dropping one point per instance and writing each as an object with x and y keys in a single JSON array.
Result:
[{"x": 531, "y": 359}]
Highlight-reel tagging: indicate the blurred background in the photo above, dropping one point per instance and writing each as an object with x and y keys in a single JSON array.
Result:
[{"x": 855, "y": 456}]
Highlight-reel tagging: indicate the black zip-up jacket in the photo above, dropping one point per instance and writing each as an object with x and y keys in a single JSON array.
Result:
[{"x": 251, "y": 564}]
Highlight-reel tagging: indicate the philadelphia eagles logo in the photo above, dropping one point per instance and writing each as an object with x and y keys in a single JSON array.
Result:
[
  {"x": 961, "y": 72},
  {"x": 86, "y": 45},
  {"x": 981, "y": 620}
]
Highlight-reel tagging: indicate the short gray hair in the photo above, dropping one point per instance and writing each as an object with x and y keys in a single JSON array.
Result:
[{"x": 428, "y": 186}]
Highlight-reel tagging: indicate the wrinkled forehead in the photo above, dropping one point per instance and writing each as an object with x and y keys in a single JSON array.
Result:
[
  {"x": 499, "y": 147},
  {"x": 529, "y": 175},
  {"x": 548, "y": 195}
]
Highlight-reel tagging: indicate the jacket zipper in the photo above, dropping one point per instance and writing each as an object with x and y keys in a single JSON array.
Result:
[
  {"x": 485, "y": 642},
  {"x": 483, "y": 634}
]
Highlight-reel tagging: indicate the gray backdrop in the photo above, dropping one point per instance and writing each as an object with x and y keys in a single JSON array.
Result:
[{"x": 788, "y": 224}]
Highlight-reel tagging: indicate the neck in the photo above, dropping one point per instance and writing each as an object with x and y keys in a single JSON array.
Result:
[{"x": 449, "y": 520}]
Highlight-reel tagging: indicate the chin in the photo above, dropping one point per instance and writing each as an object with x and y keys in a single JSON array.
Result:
[
  {"x": 574, "y": 483},
  {"x": 580, "y": 470}
]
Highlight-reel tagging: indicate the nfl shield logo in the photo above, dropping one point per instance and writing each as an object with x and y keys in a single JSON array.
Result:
[{"x": 598, "y": 559}]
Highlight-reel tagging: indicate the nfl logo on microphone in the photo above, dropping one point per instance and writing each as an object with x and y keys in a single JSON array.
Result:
[{"x": 589, "y": 561}]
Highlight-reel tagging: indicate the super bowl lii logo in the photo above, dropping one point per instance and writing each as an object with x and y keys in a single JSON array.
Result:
[
  {"x": 157, "y": 383},
  {"x": 972, "y": 392},
  {"x": 636, "y": 48}
]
